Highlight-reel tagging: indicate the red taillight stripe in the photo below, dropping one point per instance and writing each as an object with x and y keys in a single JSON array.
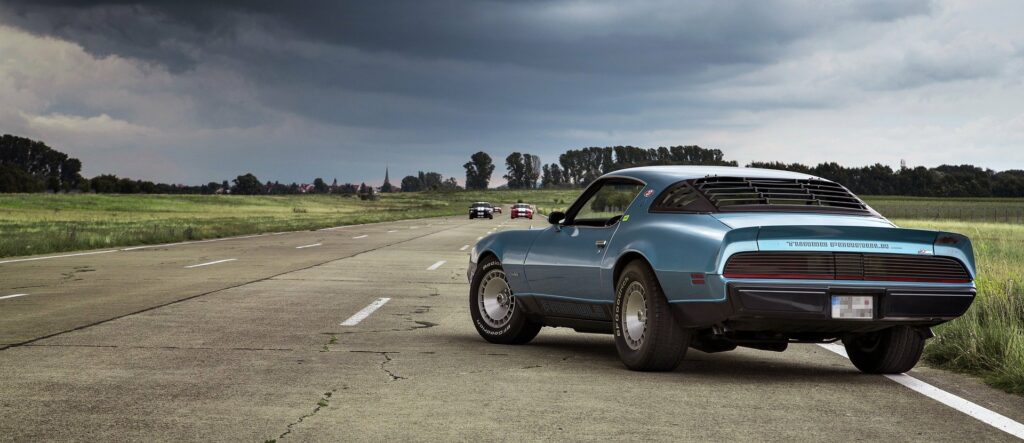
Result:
[{"x": 844, "y": 277}]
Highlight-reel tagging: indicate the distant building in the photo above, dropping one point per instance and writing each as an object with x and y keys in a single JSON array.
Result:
[{"x": 386, "y": 187}]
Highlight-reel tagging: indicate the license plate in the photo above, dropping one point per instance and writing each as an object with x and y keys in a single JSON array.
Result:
[{"x": 854, "y": 307}]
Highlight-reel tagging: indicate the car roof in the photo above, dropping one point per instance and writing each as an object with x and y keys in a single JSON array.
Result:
[{"x": 661, "y": 176}]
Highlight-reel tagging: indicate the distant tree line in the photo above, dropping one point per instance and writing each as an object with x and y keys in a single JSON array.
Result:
[
  {"x": 32, "y": 166},
  {"x": 429, "y": 181},
  {"x": 941, "y": 181}
]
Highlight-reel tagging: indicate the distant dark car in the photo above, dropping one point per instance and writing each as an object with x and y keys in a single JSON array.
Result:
[
  {"x": 497, "y": 209},
  {"x": 521, "y": 210},
  {"x": 481, "y": 210}
]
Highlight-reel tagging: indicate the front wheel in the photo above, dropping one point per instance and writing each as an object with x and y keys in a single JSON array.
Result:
[
  {"x": 646, "y": 334},
  {"x": 496, "y": 314},
  {"x": 890, "y": 351}
]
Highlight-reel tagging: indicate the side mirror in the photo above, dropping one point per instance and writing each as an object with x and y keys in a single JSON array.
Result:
[{"x": 556, "y": 217}]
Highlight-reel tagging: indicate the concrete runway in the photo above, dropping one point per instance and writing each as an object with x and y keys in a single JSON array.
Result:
[{"x": 157, "y": 344}]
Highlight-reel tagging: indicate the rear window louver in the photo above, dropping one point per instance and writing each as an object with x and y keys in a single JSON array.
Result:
[{"x": 725, "y": 194}]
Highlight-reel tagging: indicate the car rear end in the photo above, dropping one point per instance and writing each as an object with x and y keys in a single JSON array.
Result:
[
  {"x": 481, "y": 210},
  {"x": 843, "y": 278},
  {"x": 803, "y": 259},
  {"x": 521, "y": 211}
]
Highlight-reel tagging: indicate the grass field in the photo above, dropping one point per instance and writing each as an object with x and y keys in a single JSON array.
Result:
[{"x": 988, "y": 341}]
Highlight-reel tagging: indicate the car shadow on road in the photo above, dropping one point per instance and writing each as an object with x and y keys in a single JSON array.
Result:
[{"x": 597, "y": 352}]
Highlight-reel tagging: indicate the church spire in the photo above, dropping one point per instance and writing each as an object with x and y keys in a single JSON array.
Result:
[{"x": 386, "y": 187}]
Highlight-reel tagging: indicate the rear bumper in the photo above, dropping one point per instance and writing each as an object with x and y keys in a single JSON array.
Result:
[{"x": 806, "y": 308}]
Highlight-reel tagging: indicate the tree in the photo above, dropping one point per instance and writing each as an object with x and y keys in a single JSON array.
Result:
[
  {"x": 516, "y": 175},
  {"x": 430, "y": 181},
  {"x": 319, "y": 186},
  {"x": 411, "y": 183},
  {"x": 478, "y": 171},
  {"x": 247, "y": 184},
  {"x": 531, "y": 172},
  {"x": 54, "y": 169},
  {"x": 104, "y": 184},
  {"x": 450, "y": 184}
]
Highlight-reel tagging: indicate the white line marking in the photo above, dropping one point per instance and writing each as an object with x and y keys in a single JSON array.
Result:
[
  {"x": 413, "y": 227},
  {"x": 464, "y": 247},
  {"x": 309, "y": 246},
  {"x": 211, "y": 263},
  {"x": 972, "y": 409},
  {"x": 360, "y": 236},
  {"x": 58, "y": 256},
  {"x": 12, "y": 296},
  {"x": 479, "y": 238},
  {"x": 392, "y": 231},
  {"x": 164, "y": 245},
  {"x": 436, "y": 265},
  {"x": 365, "y": 312}
]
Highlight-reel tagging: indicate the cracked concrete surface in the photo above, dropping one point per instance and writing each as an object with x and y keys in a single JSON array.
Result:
[{"x": 142, "y": 349}]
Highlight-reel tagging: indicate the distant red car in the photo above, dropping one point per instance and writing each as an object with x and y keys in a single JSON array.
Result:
[{"x": 520, "y": 210}]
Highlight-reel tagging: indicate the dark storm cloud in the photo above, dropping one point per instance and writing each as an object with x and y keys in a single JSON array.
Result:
[{"x": 400, "y": 75}]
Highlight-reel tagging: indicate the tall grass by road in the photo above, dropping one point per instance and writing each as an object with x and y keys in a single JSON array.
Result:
[{"x": 989, "y": 340}]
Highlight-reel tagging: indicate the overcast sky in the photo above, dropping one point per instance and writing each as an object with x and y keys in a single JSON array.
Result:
[{"x": 184, "y": 91}]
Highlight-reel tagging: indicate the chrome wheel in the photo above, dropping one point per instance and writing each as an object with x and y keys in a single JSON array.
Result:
[
  {"x": 634, "y": 318},
  {"x": 496, "y": 303}
]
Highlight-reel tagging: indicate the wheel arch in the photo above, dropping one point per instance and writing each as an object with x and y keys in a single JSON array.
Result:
[{"x": 626, "y": 258}]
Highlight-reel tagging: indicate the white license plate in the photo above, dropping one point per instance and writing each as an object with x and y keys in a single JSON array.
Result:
[{"x": 855, "y": 307}]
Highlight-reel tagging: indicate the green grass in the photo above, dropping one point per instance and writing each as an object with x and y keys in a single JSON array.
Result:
[
  {"x": 989, "y": 340},
  {"x": 46, "y": 223}
]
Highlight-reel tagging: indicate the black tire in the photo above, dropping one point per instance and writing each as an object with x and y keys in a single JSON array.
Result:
[
  {"x": 663, "y": 343},
  {"x": 515, "y": 329},
  {"x": 890, "y": 351}
]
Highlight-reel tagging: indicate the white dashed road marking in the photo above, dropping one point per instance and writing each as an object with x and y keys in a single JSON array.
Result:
[
  {"x": 972, "y": 409},
  {"x": 12, "y": 296},
  {"x": 464, "y": 247},
  {"x": 211, "y": 263},
  {"x": 365, "y": 312},
  {"x": 58, "y": 256},
  {"x": 309, "y": 246},
  {"x": 436, "y": 265},
  {"x": 360, "y": 236}
]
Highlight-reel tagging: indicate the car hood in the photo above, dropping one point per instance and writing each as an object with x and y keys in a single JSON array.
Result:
[{"x": 736, "y": 220}]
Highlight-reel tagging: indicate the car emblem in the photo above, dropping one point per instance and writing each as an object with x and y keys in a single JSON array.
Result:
[
  {"x": 924, "y": 252},
  {"x": 649, "y": 193}
]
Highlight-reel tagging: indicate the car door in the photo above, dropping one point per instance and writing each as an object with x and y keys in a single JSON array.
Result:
[{"x": 565, "y": 260}]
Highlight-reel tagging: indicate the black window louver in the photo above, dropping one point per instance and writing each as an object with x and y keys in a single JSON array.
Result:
[{"x": 735, "y": 194}]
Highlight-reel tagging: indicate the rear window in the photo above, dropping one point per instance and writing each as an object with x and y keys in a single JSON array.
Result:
[{"x": 737, "y": 194}]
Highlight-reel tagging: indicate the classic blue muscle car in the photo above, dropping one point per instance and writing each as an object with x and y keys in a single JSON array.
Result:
[{"x": 672, "y": 257}]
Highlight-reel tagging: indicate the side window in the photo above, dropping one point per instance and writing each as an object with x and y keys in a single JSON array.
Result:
[{"x": 606, "y": 206}]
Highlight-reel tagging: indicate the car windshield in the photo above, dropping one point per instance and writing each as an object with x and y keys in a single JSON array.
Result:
[
  {"x": 522, "y": 206},
  {"x": 481, "y": 205}
]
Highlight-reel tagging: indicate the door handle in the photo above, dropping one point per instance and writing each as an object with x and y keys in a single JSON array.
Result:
[{"x": 601, "y": 243}]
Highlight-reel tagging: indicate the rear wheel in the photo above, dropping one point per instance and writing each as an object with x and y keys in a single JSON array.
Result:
[
  {"x": 646, "y": 334},
  {"x": 890, "y": 351},
  {"x": 496, "y": 315}
]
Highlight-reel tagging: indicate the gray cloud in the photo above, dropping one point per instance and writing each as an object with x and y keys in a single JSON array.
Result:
[{"x": 350, "y": 85}]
